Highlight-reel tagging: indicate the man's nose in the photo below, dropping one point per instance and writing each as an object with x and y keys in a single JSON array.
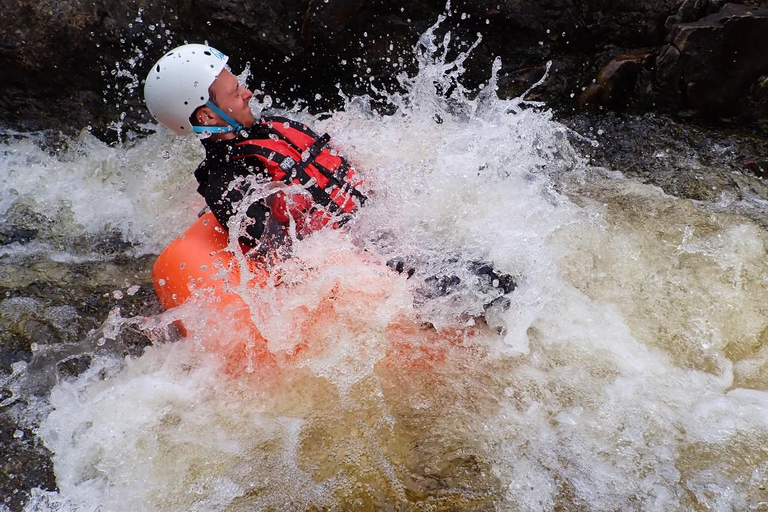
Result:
[{"x": 248, "y": 94}]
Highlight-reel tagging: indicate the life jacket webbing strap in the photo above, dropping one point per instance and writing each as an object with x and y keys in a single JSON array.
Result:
[
  {"x": 287, "y": 163},
  {"x": 234, "y": 126},
  {"x": 337, "y": 178},
  {"x": 319, "y": 195},
  {"x": 299, "y": 171}
]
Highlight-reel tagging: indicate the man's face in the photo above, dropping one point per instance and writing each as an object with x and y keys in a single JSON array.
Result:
[{"x": 227, "y": 93}]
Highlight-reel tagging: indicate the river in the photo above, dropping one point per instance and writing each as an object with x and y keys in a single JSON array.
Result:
[{"x": 627, "y": 373}]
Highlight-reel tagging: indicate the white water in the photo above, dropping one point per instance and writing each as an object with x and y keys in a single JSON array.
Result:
[{"x": 631, "y": 375}]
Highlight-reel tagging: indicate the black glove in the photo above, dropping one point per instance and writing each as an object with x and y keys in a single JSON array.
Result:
[{"x": 398, "y": 265}]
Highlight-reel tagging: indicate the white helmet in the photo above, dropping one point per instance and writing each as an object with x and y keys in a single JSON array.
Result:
[{"x": 178, "y": 83}]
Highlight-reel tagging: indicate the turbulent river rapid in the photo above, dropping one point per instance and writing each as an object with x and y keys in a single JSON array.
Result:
[{"x": 628, "y": 373}]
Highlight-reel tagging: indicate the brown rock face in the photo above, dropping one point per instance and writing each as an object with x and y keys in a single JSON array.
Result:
[
  {"x": 712, "y": 64},
  {"x": 614, "y": 83},
  {"x": 72, "y": 63}
]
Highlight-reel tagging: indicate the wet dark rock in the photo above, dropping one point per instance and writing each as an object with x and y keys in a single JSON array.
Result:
[
  {"x": 615, "y": 83},
  {"x": 72, "y": 367},
  {"x": 711, "y": 62},
  {"x": 49, "y": 303},
  {"x": 702, "y": 163},
  {"x": 21, "y": 224},
  {"x": 757, "y": 99},
  {"x": 692, "y": 10},
  {"x": 24, "y": 464},
  {"x": 757, "y": 166},
  {"x": 301, "y": 49}
]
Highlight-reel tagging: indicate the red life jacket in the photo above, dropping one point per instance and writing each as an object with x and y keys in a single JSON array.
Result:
[{"x": 294, "y": 154}]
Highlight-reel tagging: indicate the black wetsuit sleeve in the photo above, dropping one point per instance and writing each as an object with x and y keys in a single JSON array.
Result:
[{"x": 226, "y": 186}]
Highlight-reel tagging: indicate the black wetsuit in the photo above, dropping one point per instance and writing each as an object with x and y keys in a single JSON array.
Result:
[
  {"x": 215, "y": 177},
  {"x": 278, "y": 150}
]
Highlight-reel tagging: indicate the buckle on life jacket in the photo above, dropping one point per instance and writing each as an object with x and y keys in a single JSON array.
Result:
[{"x": 287, "y": 163}]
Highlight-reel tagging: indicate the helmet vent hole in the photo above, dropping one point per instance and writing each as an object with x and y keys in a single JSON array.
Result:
[
  {"x": 202, "y": 98},
  {"x": 186, "y": 103},
  {"x": 158, "y": 68},
  {"x": 211, "y": 66},
  {"x": 182, "y": 128},
  {"x": 207, "y": 52}
]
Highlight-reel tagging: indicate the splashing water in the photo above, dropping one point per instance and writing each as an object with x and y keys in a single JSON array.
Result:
[{"x": 630, "y": 375}]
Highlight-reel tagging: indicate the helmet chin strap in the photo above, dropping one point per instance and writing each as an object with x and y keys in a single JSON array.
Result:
[{"x": 234, "y": 126}]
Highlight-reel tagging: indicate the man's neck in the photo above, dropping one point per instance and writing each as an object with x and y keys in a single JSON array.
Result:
[{"x": 223, "y": 136}]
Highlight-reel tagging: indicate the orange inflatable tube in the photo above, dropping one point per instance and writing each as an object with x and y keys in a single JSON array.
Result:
[
  {"x": 198, "y": 266},
  {"x": 193, "y": 260}
]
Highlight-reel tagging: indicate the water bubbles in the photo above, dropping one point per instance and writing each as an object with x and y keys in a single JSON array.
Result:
[
  {"x": 18, "y": 434},
  {"x": 118, "y": 294}
]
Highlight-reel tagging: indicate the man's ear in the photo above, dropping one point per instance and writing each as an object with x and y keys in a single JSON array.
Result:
[{"x": 204, "y": 116}]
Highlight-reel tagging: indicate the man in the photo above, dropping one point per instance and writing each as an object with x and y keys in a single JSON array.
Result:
[{"x": 190, "y": 90}]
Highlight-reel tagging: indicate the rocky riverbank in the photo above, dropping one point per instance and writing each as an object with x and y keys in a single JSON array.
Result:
[{"x": 75, "y": 63}]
